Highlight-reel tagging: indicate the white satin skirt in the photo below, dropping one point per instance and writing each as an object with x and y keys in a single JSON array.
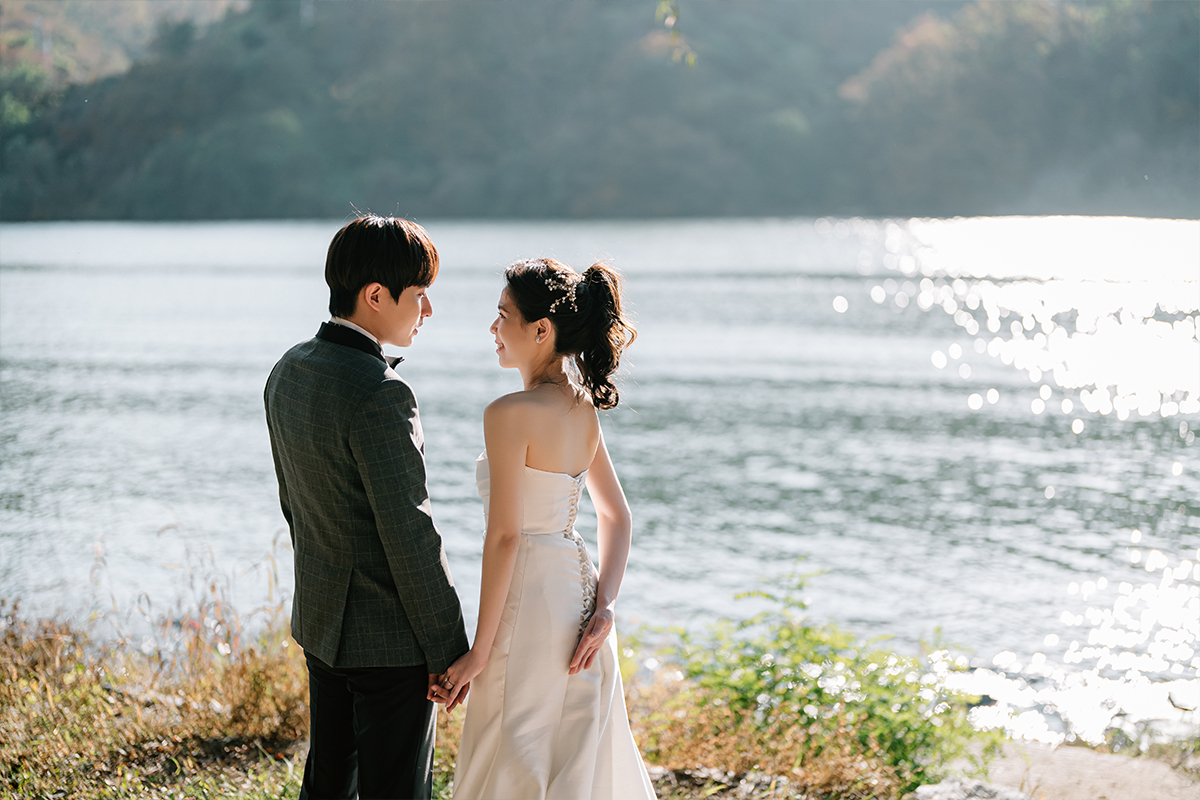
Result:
[{"x": 533, "y": 731}]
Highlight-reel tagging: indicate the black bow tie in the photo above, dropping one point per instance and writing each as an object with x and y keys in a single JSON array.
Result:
[{"x": 348, "y": 337}]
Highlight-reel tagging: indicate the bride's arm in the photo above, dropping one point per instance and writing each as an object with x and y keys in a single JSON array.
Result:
[
  {"x": 614, "y": 530},
  {"x": 505, "y": 432}
]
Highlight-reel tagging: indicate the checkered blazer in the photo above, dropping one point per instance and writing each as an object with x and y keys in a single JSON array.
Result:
[{"x": 372, "y": 585}]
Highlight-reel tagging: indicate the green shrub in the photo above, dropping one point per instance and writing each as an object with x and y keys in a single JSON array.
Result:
[{"x": 811, "y": 703}]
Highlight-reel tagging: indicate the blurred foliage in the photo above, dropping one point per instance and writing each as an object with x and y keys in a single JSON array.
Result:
[
  {"x": 46, "y": 45},
  {"x": 78, "y": 41},
  {"x": 299, "y": 108},
  {"x": 1076, "y": 100},
  {"x": 807, "y": 701}
]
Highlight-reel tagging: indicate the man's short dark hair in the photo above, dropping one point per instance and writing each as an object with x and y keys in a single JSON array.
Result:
[{"x": 373, "y": 249}]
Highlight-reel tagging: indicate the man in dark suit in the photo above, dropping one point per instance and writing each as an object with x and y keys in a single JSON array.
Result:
[{"x": 374, "y": 608}]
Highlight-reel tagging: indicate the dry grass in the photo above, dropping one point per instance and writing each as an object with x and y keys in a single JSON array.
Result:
[
  {"x": 703, "y": 747},
  {"x": 209, "y": 713},
  {"x": 81, "y": 719},
  {"x": 202, "y": 714}
]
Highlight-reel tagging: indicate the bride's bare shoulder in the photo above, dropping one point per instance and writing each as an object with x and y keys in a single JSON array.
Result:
[
  {"x": 534, "y": 406},
  {"x": 513, "y": 408}
]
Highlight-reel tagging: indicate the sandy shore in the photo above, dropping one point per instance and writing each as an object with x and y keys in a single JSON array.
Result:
[
  {"x": 1035, "y": 771},
  {"x": 1077, "y": 773}
]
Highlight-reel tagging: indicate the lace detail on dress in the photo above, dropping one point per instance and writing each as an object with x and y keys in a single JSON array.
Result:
[{"x": 587, "y": 576}]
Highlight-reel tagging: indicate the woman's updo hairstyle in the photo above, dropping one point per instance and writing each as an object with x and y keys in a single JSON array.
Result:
[{"x": 589, "y": 323}]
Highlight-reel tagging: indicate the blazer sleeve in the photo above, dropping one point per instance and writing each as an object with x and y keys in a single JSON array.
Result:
[
  {"x": 386, "y": 440},
  {"x": 284, "y": 502}
]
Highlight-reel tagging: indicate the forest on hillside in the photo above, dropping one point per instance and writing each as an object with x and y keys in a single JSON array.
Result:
[
  {"x": 303, "y": 109},
  {"x": 56, "y": 42}
]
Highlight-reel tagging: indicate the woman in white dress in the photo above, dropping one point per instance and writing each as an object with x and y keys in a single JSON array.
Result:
[{"x": 546, "y": 716}]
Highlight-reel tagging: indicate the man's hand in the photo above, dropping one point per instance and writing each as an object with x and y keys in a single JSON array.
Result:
[{"x": 457, "y": 699}]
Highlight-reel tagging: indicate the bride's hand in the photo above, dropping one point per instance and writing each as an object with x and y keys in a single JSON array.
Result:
[
  {"x": 456, "y": 681},
  {"x": 593, "y": 636}
]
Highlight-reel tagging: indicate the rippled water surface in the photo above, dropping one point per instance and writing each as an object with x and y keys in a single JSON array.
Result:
[{"x": 979, "y": 430}]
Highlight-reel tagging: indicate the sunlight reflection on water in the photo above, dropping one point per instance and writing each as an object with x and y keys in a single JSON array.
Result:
[
  {"x": 1106, "y": 311},
  {"x": 1106, "y": 307},
  {"x": 1131, "y": 660}
]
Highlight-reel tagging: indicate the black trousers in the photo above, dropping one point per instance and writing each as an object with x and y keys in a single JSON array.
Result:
[{"x": 371, "y": 733}]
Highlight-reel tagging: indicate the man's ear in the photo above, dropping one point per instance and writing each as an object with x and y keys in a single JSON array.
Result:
[{"x": 371, "y": 295}]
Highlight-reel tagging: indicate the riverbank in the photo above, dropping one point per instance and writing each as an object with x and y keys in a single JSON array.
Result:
[
  {"x": 1081, "y": 773},
  {"x": 205, "y": 711}
]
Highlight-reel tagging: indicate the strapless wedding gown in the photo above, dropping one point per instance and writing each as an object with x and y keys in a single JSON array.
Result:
[{"x": 534, "y": 732}]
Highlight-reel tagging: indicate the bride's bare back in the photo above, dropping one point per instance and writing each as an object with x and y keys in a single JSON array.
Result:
[{"x": 563, "y": 429}]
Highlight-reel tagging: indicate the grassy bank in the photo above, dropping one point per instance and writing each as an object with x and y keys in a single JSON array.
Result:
[
  {"x": 202, "y": 714},
  {"x": 797, "y": 709}
]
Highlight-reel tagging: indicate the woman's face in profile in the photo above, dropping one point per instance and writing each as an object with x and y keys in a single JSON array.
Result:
[{"x": 514, "y": 336}]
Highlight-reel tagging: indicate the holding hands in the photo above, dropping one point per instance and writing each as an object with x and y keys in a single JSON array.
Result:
[{"x": 452, "y": 686}]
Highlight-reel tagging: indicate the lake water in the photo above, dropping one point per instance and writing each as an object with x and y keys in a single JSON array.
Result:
[{"x": 980, "y": 431}]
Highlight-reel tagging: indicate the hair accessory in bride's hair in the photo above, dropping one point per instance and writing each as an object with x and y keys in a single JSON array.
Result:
[{"x": 559, "y": 282}]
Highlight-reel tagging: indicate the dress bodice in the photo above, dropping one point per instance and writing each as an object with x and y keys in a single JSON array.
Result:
[{"x": 550, "y": 499}]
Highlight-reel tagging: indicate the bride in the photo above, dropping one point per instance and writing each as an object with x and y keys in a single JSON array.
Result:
[{"x": 546, "y": 717}]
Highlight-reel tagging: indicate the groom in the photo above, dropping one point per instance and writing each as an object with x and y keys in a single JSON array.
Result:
[{"x": 375, "y": 608}]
